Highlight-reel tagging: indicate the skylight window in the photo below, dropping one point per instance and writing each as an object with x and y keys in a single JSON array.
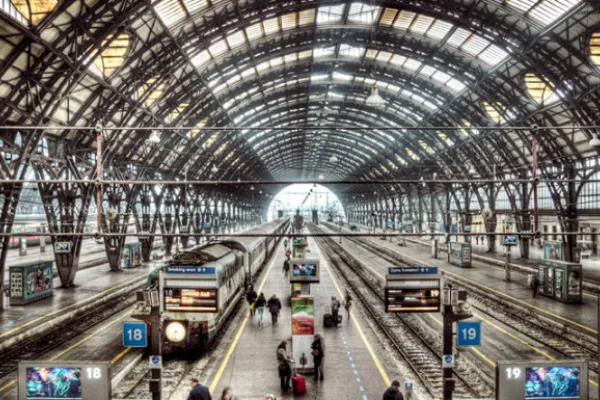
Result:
[
  {"x": 218, "y": 48},
  {"x": 363, "y": 13},
  {"x": 498, "y": 112},
  {"x": 351, "y": 51},
  {"x": 28, "y": 10},
  {"x": 152, "y": 90},
  {"x": 235, "y": 39},
  {"x": 176, "y": 112},
  {"x": 323, "y": 51},
  {"x": 170, "y": 11},
  {"x": 544, "y": 11},
  {"x": 439, "y": 29},
  {"x": 330, "y": 14},
  {"x": 201, "y": 58},
  {"x": 113, "y": 55},
  {"x": 540, "y": 90},
  {"x": 595, "y": 48}
]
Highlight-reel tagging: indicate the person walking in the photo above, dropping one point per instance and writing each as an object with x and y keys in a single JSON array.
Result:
[
  {"x": 348, "y": 304},
  {"x": 251, "y": 298},
  {"x": 274, "y": 305},
  {"x": 259, "y": 306},
  {"x": 228, "y": 394},
  {"x": 393, "y": 392},
  {"x": 335, "y": 308},
  {"x": 198, "y": 392},
  {"x": 286, "y": 267},
  {"x": 285, "y": 366},
  {"x": 318, "y": 352},
  {"x": 535, "y": 284}
]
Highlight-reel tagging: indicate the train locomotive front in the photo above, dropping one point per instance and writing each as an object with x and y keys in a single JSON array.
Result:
[{"x": 201, "y": 287}]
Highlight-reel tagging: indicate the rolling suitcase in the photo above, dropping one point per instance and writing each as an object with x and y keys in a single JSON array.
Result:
[
  {"x": 298, "y": 383},
  {"x": 328, "y": 320}
]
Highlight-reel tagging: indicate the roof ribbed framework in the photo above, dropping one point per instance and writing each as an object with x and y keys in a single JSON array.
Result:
[{"x": 307, "y": 66}]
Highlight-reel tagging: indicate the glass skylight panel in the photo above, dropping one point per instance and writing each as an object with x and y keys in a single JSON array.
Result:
[
  {"x": 475, "y": 45},
  {"x": 262, "y": 66},
  {"x": 404, "y": 19},
  {"x": 458, "y": 37},
  {"x": 194, "y": 5},
  {"x": 523, "y": 5},
  {"x": 254, "y": 31},
  {"x": 290, "y": 58},
  {"x": 383, "y": 56},
  {"x": 306, "y": 17},
  {"x": 274, "y": 62},
  {"x": 218, "y": 48},
  {"x": 351, "y": 51},
  {"x": 220, "y": 88},
  {"x": 304, "y": 54},
  {"x": 170, "y": 11},
  {"x": 427, "y": 71},
  {"x": 363, "y": 13},
  {"x": 248, "y": 72},
  {"x": 201, "y": 58},
  {"x": 387, "y": 18},
  {"x": 548, "y": 11},
  {"x": 397, "y": 60},
  {"x": 233, "y": 79},
  {"x": 289, "y": 21},
  {"x": 330, "y": 14},
  {"x": 271, "y": 25},
  {"x": 412, "y": 64},
  {"x": 455, "y": 84},
  {"x": 430, "y": 105},
  {"x": 236, "y": 38},
  {"x": 323, "y": 51},
  {"x": 342, "y": 77},
  {"x": 421, "y": 24},
  {"x": 441, "y": 77},
  {"x": 439, "y": 29},
  {"x": 493, "y": 55}
]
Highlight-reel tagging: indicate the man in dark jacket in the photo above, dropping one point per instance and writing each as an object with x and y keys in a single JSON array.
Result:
[
  {"x": 198, "y": 392},
  {"x": 393, "y": 392},
  {"x": 274, "y": 305},
  {"x": 251, "y": 297}
]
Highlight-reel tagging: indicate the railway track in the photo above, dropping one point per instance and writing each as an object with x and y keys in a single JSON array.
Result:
[
  {"x": 565, "y": 344},
  {"x": 40, "y": 345},
  {"x": 411, "y": 337}
]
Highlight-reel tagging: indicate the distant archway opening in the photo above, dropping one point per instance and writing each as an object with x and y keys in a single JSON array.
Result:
[{"x": 306, "y": 198}]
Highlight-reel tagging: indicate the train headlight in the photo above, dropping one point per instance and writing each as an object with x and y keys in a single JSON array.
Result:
[{"x": 175, "y": 331}]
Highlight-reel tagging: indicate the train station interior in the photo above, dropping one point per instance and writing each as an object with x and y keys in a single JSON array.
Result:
[{"x": 262, "y": 199}]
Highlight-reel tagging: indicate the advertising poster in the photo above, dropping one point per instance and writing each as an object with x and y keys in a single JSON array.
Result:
[
  {"x": 553, "y": 250},
  {"x": 38, "y": 280},
  {"x": 54, "y": 383},
  {"x": 303, "y": 316}
]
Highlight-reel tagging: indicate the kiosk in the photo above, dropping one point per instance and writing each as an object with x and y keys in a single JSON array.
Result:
[
  {"x": 459, "y": 254},
  {"x": 132, "y": 255},
  {"x": 561, "y": 280},
  {"x": 30, "y": 282}
]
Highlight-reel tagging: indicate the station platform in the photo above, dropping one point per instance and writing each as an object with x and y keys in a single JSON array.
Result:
[
  {"x": 102, "y": 343},
  {"x": 354, "y": 366},
  {"x": 581, "y": 317},
  {"x": 91, "y": 285}
]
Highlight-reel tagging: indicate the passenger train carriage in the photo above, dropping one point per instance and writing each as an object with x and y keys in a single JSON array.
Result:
[{"x": 200, "y": 288}]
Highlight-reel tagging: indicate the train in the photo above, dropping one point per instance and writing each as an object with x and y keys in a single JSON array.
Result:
[{"x": 199, "y": 288}]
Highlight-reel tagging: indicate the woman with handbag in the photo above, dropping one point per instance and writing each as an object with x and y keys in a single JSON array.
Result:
[
  {"x": 318, "y": 351},
  {"x": 285, "y": 366}
]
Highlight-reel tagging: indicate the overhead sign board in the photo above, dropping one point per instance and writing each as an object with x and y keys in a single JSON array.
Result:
[
  {"x": 510, "y": 240},
  {"x": 135, "y": 334},
  {"x": 51, "y": 380},
  {"x": 468, "y": 334},
  {"x": 412, "y": 270},
  {"x": 531, "y": 380},
  {"x": 190, "y": 269},
  {"x": 413, "y": 295}
]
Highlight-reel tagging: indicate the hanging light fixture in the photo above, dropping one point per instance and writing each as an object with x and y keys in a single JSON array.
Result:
[
  {"x": 214, "y": 169},
  {"x": 472, "y": 170},
  {"x": 595, "y": 142},
  {"x": 333, "y": 159},
  {"x": 154, "y": 137},
  {"x": 321, "y": 176},
  {"x": 375, "y": 99}
]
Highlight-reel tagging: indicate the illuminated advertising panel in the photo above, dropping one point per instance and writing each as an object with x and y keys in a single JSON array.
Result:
[
  {"x": 412, "y": 289},
  {"x": 58, "y": 380},
  {"x": 304, "y": 271},
  {"x": 530, "y": 380},
  {"x": 191, "y": 300}
]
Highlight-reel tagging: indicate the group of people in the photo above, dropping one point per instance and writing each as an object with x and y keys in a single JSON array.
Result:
[
  {"x": 257, "y": 304},
  {"x": 201, "y": 392}
]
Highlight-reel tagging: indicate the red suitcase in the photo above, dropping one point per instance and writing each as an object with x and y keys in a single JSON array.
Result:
[{"x": 299, "y": 385}]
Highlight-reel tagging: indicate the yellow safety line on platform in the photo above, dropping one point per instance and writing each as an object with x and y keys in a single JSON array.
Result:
[
  {"x": 114, "y": 360},
  {"x": 72, "y": 305},
  {"x": 238, "y": 335},
  {"x": 505, "y": 295},
  {"x": 382, "y": 372}
]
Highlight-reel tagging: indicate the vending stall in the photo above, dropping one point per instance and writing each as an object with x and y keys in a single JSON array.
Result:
[
  {"x": 459, "y": 254},
  {"x": 30, "y": 282},
  {"x": 561, "y": 280},
  {"x": 132, "y": 255}
]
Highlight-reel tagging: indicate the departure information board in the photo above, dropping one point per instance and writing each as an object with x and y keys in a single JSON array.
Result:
[
  {"x": 191, "y": 300},
  {"x": 413, "y": 295}
]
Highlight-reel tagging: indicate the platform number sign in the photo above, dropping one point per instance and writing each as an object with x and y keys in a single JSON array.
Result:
[
  {"x": 468, "y": 334},
  {"x": 135, "y": 334}
]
